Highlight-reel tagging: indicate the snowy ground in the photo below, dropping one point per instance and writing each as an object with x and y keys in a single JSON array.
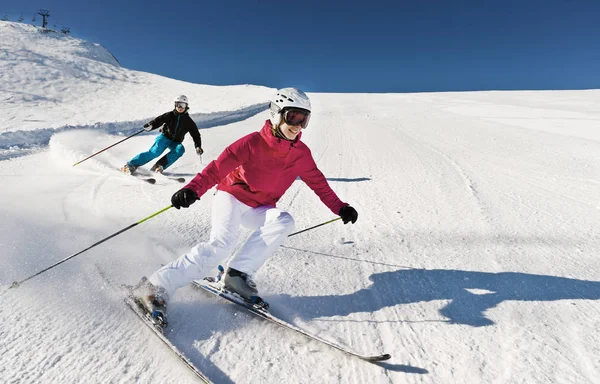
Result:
[{"x": 474, "y": 259}]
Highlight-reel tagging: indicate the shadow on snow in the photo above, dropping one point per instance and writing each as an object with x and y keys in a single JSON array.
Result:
[{"x": 465, "y": 307}]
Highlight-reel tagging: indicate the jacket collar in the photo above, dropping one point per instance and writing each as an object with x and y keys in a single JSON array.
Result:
[
  {"x": 180, "y": 114},
  {"x": 277, "y": 143}
]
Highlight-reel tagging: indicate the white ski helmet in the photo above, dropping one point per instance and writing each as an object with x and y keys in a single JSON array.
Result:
[
  {"x": 287, "y": 98},
  {"x": 181, "y": 99}
]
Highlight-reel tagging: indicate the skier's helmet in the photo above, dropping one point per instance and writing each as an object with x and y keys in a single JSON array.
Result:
[
  {"x": 289, "y": 99},
  {"x": 181, "y": 99}
]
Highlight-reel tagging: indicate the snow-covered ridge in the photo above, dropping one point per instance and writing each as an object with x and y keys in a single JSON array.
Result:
[
  {"x": 52, "y": 80},
  {"x": 32, "y": 42},
  {"x": 23, "y": 142}
]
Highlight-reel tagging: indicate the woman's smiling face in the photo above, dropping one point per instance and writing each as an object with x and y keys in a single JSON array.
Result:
[{"x": 290, "y": 132}]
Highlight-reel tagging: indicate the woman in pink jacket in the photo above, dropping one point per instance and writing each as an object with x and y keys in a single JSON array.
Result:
[{"x": 251, "y": 176}]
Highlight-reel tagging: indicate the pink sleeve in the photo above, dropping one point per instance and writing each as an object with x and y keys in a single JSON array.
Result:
[
  {"x": 316, "y": 181},
  {"x": 232, "y": 157}
]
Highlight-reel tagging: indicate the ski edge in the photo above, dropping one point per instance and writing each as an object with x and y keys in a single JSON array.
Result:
[{"x": 214, "y": 289}]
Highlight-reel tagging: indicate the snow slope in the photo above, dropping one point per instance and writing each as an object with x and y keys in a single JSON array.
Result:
[{"x": 474, "y": 259}]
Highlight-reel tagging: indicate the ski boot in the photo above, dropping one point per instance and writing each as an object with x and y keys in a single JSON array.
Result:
[
  {"x": 157, "y": 168},
  {"x": 218, "y": 277},
  {"x": 129, "y": 169},
  {"x": 153, "y": 299},
  {"x": 242, "y": 284}
]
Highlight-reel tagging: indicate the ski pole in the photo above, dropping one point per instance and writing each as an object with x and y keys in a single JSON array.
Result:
[
  {"x": 89, "y": 157},
  {"x": 17, "y": 283},
  {"x": 308, "y": 229}
]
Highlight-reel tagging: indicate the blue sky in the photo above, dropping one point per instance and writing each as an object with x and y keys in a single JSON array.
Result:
[{"x": 335, "y": 46}]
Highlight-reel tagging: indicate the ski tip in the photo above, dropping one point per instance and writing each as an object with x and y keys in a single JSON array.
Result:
[{"x": 374, "y": 359}]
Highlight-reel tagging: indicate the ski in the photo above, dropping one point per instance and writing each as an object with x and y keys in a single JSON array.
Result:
[
  {"x": 165, "y": 177},
  {"x": 158, "y": 330},
  {"x": 141, "y": 312},
  {"x": 149, "y": 180},
  {"x": 174, "y": 178},
  {"x": 169, "y": 176},
  {"x": 217, "y": 289}
]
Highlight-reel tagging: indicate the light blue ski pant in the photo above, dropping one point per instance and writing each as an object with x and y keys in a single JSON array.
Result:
[{"x": 160, "y": 145}]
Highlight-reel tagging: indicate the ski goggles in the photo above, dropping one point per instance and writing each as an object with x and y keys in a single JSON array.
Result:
[
  {"x": 295, "y": 117},
  {"x": 180, "y": 105}
]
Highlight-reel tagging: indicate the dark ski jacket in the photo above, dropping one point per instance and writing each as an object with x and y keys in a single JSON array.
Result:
[{"x": 175, "y": 125}]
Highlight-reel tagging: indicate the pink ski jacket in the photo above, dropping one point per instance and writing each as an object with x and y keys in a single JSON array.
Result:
[{"x": 258, "y": 168}]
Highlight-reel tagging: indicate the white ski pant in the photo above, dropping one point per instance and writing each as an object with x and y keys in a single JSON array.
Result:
[{"x": 271, "y": 226}]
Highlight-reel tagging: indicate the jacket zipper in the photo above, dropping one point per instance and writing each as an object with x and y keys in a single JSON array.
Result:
[{"x": 176, "y": 128}]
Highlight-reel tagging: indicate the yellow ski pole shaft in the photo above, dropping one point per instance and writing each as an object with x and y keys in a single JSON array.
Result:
[
  {"x": 16, "y": 284},
  {"x": 308, "y": 229}
]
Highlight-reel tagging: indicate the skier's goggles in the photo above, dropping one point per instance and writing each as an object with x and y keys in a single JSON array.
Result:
[
  {"x": 295, "y": 117},
  {"x": 180, "y": 105}
]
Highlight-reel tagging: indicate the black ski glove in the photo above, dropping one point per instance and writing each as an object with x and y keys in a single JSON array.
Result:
[
  {"x": 348, "y": 214},
  {"x": 184, "y": 198}
]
